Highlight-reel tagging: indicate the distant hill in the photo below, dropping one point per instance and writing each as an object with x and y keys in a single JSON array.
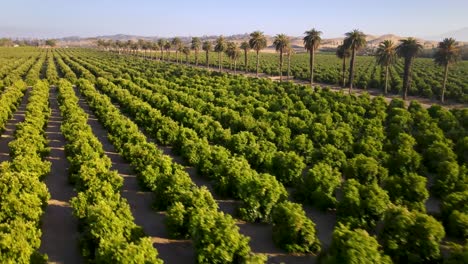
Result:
[
  {"x": 460, "y": 35},
  {"x": 296, "y": 41}
]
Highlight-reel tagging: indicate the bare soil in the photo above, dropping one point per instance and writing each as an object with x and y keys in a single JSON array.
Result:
[
  {"x": 10, "y": 127},
  {"x": 59, "y": 226},
  {"x": 152, "y": 222}
]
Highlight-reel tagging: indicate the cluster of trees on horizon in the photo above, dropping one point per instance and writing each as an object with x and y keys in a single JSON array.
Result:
[
  {"x": 448, "y": 52},
  {"x": 8, "y": 42}
]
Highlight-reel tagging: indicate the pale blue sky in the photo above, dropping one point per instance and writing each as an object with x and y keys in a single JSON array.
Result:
[{"x": 59, "y": 18}]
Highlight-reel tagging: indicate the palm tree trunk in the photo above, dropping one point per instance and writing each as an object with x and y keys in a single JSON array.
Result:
[
  {"x": 162, "y": 54},
  {"x": 245, "y": 61},
  {"x": 196, "y": 57},
  {"x": 219, "y": 61},
  {"x": 207, "y": 59},
  {"x": 235, "y": 66},
  {"x": 289, "y": 66},
  {"x": 256, "y": 75},
  {"x": 281, "y": 65},
  {"x": 444, "y": 83},
  {"x": 344, "y": 73},
  {"x": 386, "y": 79},
  {"x": 407, "y": 77},
  {"x": 351, "y": 70},
  {"x": 312, "y": 59}
]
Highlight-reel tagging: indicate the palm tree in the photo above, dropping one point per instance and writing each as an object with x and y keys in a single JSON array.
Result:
[
  {"x": 342, "y": 52},
  {"x": 355, "y": 40},
  {"x": 245, "y": 46},
  {"x": 196, "y": 45},
  {"x": 233, "y": 53},
  {"x": 120, "y": 45},
  {"x": 186, "y": 51},
  {"x": 220, "y": 47},
  {"x": 129, "y": 46},
  {"x": 167, "y": 47},
  {"x": 134, "y": 47},
  {"x": 161, "y": 44},
  {"x": 154, "y": 46},
  {"x": 281, "y": 43},
  {"x": 177, "y": 44},
  {"x": 257, "y": 42},
  {"x": 207, "y": 47},
  {"x": 289, "y": 51},
  {"x": 386, "y": 57},
  {"x": 408, "y": 49},
  {"x": 311, "y": 43},
  {"x": 447, "y": 53},
  {"x": 180, "y": 50},
  {"x": 141, "y": 46}
]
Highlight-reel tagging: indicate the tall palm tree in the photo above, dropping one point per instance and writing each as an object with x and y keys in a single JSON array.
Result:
[
  {"x": 233, "y": 53},
  {"x": 154, "y": 47},
  {"x": 207, "y": 47},
  {"x": 186, "y": 51},
  {"x": 289, "y": 51},
  {"x": 447, "y": 53},
  {"x": 129, "y": 46},
  {"x": 245, "y": 46},
  {"x": 167, "y": 47},
  {"x": 257, "y": 42},
  {"x": 312, "y": 41},
  {"x": 386, "y": 57},
  {"x": 180, "y": 50},
  {"x": 161, "y": 44},
  {"x": 219, "y": 48},
  {"x": 355, "y": 40},
  {"x": 342, "y": 52},
  {"x": 177, "y": 44},
  {"x": 141, "y": 45},
  {"x": 134, "y": 47},
  {"x": 196, "y": 45},
  {"x": 408, "y": 49},
  {"x": 120, "y": 45},
  {"x": 281, "y": 43}
]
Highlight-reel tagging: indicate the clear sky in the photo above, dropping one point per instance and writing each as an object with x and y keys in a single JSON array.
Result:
[{"x": 59, "y": 18}]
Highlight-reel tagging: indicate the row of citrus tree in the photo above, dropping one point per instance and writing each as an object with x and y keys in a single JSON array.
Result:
[
  {"x": 108, "y": 231},
  {"x": 24, "y": 195},
  {"x": 366, "y": 214},
  {"x": 232, "y": 176}
]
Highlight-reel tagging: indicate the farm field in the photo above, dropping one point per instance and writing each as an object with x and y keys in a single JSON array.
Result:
[
  {"x": 427, "y": 78},
  {"x": 109, "y": 158}
]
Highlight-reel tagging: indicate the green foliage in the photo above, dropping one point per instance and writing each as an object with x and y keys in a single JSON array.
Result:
[
  {"x": 109, "y": 234},
  {"x": 458, "y": 254},
  {"x": 362, "y": 205},
  {"x": 293, "y": 230},
  {"x": 458, "y": 224},
  {"x": 411, "y": 237},
  {"x": 319, "y": 185},
  {"x": 408, "y": 190},
  {"x": 365, "y": 169},
  {"x": 23, "y": 195},
  {"x": 216, "y": 238},
  {"x": 354, "y": 246},
  {"x": 288, "y": 167}
]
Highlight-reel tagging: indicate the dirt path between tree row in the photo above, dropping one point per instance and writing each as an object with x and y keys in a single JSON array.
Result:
[
  {"x": 59, "y": 227},
  {"x": 10, "y": 127},
  {"x": 152, "y": 222}
]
